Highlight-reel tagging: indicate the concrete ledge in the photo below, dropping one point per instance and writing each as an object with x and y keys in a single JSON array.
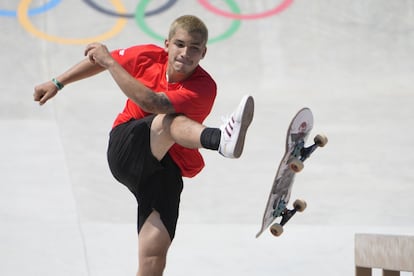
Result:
[{"x": 388, "y": 252}]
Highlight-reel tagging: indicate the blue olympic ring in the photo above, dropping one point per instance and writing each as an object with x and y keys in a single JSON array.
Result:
[
  {"x": 49, "y": 5},
  {"x": 162, "y": 8}
]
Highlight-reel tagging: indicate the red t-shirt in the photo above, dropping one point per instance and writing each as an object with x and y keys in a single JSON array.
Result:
[{"x": 193, "y": 97}]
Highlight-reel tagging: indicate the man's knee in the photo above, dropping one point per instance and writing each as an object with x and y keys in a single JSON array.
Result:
[
  {"x": 161, "y": 137},
  {"x": 162, "y": 123},
  {"x": 151, "y": 265},
  {"x": 169, "y": 119}
]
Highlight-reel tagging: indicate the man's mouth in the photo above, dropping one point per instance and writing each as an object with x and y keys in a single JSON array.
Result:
[{"x": 184, "y": 62}]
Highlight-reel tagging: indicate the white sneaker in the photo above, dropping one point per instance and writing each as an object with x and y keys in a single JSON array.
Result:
[{"x": 233, "y": 132}]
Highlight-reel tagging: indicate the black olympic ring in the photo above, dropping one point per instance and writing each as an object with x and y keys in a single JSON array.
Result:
[{"x": 164, "y": 7}]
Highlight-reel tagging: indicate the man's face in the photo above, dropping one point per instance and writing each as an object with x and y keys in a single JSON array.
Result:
[{"x": 184, "y": 52}]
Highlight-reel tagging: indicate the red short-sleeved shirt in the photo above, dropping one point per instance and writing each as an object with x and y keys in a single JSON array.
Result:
[{"x": 193, "y": 97}]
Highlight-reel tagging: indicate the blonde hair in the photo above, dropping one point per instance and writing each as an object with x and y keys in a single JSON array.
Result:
[{"x": 190, "y": 24}]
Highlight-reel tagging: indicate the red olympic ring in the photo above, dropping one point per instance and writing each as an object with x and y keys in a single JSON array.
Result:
[{"x": 281, "y": 7}]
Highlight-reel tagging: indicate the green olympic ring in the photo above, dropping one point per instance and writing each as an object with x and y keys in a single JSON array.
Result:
[{"x": 140, "y": 20}]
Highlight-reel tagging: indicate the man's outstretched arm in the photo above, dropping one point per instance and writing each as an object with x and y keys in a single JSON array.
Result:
[
  {"x": 148, "y": 100},
  {"x": 84, "y": 69}
]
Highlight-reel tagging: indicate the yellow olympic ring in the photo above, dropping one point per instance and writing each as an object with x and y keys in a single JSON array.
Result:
[{"x": 23, "y": 17}]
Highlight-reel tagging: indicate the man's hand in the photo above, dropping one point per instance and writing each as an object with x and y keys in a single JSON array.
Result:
[
  {"x": 99, "y": 54},
  {"x": 45, "y": 91}
]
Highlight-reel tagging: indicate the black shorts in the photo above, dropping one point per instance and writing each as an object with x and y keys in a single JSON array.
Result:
[{"x": 157, "y": 185}]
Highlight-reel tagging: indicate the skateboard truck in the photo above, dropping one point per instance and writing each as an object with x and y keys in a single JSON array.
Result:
[
  {"x": 300, "y": 153},
  {"x": 287, "y": 214},
  {"x": 284, "y": 212},
  {"x": 298, "y": 206}
]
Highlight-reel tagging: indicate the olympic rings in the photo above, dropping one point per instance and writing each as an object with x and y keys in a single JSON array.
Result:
[
  {"x": 281, "y": 7},
  {"x": 49, "y": 5},
  {"x": 22, "y": 15},
  {"x": 162, "y": 8},
  {"x": 23, "y": 12},
  {"x": 140, "y": 20}
]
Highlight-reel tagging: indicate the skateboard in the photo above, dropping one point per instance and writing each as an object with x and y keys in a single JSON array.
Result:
[{"x": 292, "y": 162}]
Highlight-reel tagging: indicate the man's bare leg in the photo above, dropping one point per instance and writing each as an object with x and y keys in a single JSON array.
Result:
[
  {"x": 174, "y": 128},
  {"x": 153, "y": 244}
]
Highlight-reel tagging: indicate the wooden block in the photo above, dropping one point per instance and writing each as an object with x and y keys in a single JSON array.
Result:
[
  {"x": 363, "y": 271},
  {"x": 389, "y": 252},
  {"x": 390, "y": 273}
]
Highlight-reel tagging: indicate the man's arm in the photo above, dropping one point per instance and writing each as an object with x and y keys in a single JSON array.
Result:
[
  {"x": 148, "y": 100},
  {"x": 84, "y": 69}
]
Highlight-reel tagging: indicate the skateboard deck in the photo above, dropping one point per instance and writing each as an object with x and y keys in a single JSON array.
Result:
[{"x": 292, "y": 162}]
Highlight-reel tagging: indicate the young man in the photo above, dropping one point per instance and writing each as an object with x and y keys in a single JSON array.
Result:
[{"x": 155, "y": 140}]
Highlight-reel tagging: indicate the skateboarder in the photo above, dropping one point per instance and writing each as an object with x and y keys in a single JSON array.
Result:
[{"x": 154, "y": 141}]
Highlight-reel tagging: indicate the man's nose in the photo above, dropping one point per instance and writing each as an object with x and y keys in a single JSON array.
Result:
[{"x": 184, "y": 51}]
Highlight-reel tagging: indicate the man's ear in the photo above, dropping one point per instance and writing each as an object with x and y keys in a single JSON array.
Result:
[
  {"x": 204, "y": 53},
  {"x": 166, "y": 44}
]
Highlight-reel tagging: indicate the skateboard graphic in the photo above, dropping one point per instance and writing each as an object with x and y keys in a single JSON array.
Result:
[{"x": 292, "y": 162}]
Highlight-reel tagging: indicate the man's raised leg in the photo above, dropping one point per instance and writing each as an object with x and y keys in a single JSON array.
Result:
[{"x": 167, "y": 129}]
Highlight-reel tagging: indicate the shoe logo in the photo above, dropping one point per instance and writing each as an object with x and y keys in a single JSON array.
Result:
[{"x": 229, "y": 127}]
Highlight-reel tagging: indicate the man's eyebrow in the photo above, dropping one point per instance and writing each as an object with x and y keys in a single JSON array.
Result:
[{"x": 197, "y": 43}]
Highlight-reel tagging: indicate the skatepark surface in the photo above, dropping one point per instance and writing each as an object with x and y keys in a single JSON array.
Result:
[{"x": 351, "y": 62}]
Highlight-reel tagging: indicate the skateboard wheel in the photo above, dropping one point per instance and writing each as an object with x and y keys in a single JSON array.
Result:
[
  {"x": 299, "y": 205},
  {"x": 276, "y": 229},
  {"x": 320, "y": 140},
  {"x": 296, "y": 165}
]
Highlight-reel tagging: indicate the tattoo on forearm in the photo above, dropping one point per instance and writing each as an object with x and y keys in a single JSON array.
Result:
[{"x": 157, "y": 103}]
